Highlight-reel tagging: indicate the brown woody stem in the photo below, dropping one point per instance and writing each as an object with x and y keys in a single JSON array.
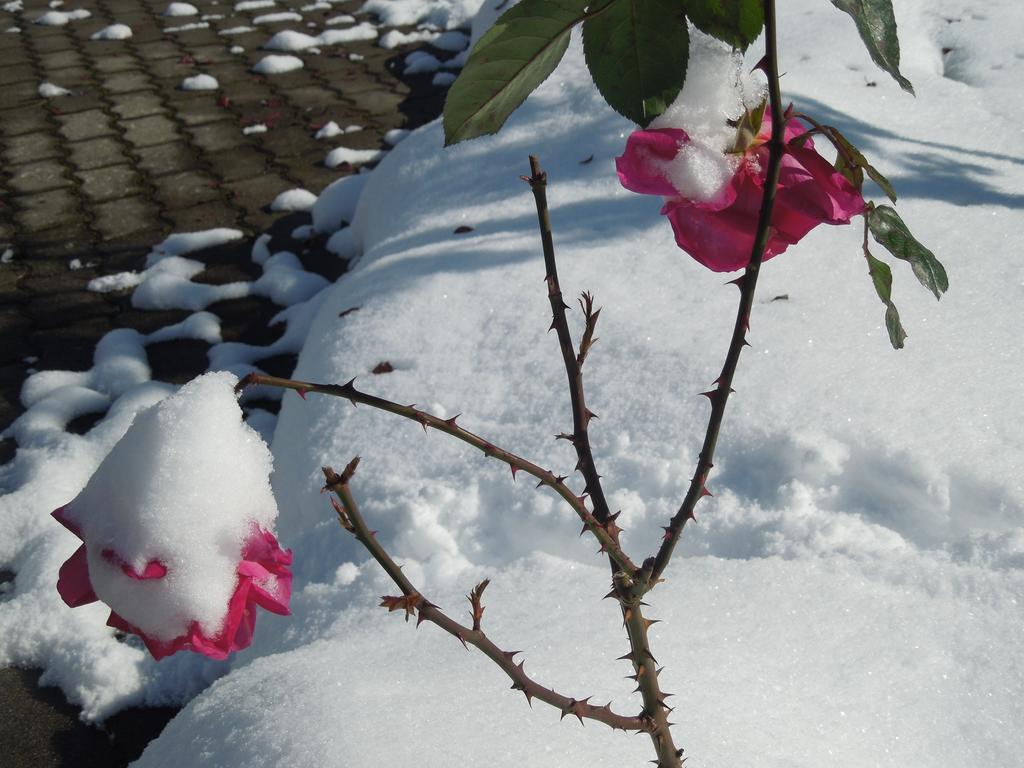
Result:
[
  {"x": 352, "y": 520},
  {"x": 654, "y": 567},
  {"x": 581, "y": 415},
  {"x": 608, "y": 541},
  {"x": 645, "y": 670}
]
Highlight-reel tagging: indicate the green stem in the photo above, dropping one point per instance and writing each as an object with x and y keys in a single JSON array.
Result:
[{"x": 655, "y": 566}]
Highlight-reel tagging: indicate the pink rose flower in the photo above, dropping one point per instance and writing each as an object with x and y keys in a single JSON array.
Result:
[
  {"x": 720, "y": 233},
  {"x": 264, "y": 580}
]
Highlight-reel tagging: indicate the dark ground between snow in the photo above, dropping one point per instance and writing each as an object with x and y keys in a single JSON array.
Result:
[{"x": 103, "y": 174}]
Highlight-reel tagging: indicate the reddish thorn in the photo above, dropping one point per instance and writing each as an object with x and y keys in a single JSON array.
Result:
[
  {"x": 514, "y": 469},
  {"x": 711, "y": 394},
  {"x": 705, "y": 492},
  {"x": 302, "y": 393},
  {"x": 668, "y": 532}
]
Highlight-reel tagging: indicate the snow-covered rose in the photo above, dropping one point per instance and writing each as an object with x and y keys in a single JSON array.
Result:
[
  {"x": 176, "y": 525},
  {"x": 719, "y": 233}
]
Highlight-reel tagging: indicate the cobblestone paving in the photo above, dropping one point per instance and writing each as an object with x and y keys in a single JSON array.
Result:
[
  {"x": 90, "y": 181},
  {"x": 128, "y": 157}
]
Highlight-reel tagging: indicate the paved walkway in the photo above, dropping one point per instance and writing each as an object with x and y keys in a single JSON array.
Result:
[
  {"x": 89, "y": 181},
  {"x": 100, "y": 175}
]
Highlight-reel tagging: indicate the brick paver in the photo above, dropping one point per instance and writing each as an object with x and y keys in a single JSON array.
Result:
[{"x": 99, "y": 175}]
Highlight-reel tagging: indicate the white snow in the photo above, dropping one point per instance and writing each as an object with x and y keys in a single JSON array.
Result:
[
  {"x": 255, "y": 128},
  {"x": 445, "y": 14},
  {"x": 274, "y": 18},
  {"x": 275, "y": 64},
  {"x": 343, "y": 19},
  {"x": 341, "y": 155},
  {"x": 850, "y": 594},
  {"x": 188, "y": 27},
  {"x": 60, "y": 18},
  {"x": 181, "y": 9},
  {"x": 702, "y": 168},
  {"x": 236, "y": 49},
  {"x": 13, "y": 6},
  {"x": 420, "y": 62},
  {"x": 49, "y": 90},
  {"x": 113, "y": 32},
  {"x": 201, "y": 82},
  {"x": 293, "y": 200},
  {"x": 337, "y": 203},
  {"x": 236, "y": 30},
  {"x": 329, "y": 130},
  {"x": 364, "y": 31},
  {"x": 289, "y": 40},
  {"x": 395, "y": 135},
  {"x": 453, "y": 40},
  {"x": 252, "y": 5},
  {"x": 394, "y": 38}
]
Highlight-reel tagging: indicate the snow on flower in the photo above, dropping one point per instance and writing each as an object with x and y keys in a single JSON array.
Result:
[
  {"x": 176, "y": 527},
  {"x": 719, "y": 233}
]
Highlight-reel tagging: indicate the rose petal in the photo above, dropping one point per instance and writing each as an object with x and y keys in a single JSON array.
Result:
[
  {"x": 73, "y": 580},
  {"x": 641, "y": 166}
]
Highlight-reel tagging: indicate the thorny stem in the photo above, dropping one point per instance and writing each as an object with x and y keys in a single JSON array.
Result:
[
  {"x": 352, "y": 520},
  {"x": 645, "y": 669},
  {"x": 655, "y": 566},
  {"x": 581, "y": 415},
  {"x": 608, "y": 540}
]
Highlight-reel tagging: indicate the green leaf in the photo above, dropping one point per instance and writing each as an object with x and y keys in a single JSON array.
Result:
[
  {"x": 860, "y": 162},
  {"x": 881, "y": 276},
  {"x": 637, "y": 52},
  {"x": 505, "y": 66},
  {"x": 889, "y": 231},
  {"x": 876, "y": 24},
  {"x": 736, "y": 22},
  {"x": 894, "y": 327}
]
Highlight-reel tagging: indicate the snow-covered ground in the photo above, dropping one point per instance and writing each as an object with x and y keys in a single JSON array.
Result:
[{"x": 851, "y": 594}]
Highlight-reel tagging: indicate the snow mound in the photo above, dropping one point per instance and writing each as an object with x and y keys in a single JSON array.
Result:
[
  {"x": 181, "y": 9},
  {"x": 276, "y": 64},
  {"x": 113, "y": 32},
  {"x": 293, "y": 200},
  {"x": 49, "y": 90},
  {"x": 200, "y": 83},
  {"x": 183, "y": 487}
]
